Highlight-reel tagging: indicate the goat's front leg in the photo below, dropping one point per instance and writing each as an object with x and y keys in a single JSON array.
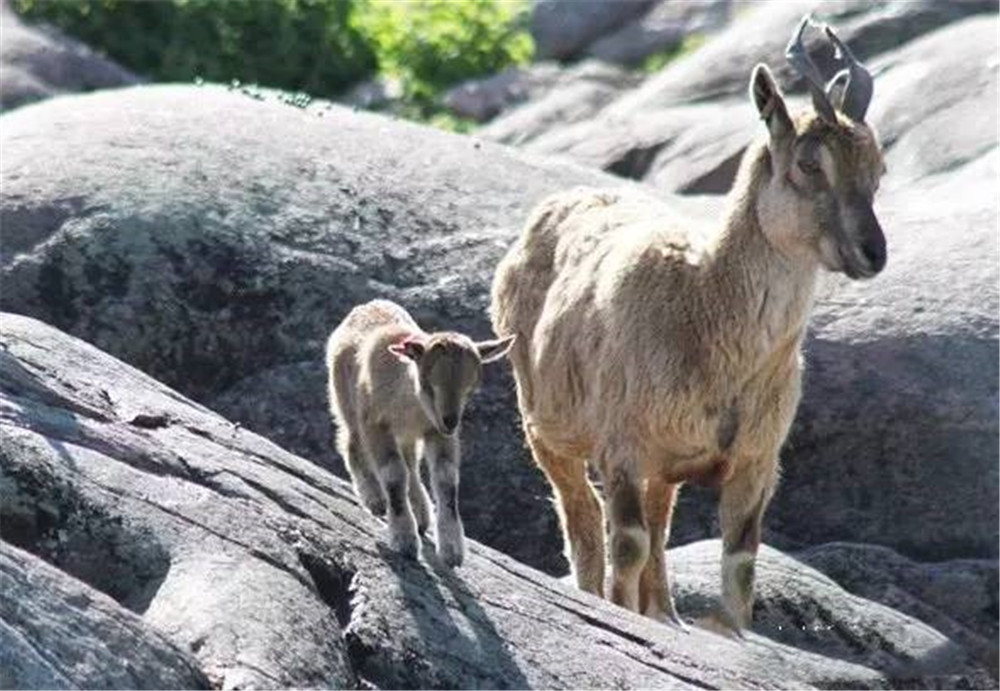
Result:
[
  {"x": 393, "y": 475},
  {"x": 443, "y": 457},
  {"x": 418, "y": 495},
  {"x": 629, "y": 532},
  {"x": 741, "y": 510}
]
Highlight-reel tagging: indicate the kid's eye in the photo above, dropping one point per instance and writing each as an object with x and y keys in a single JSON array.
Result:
[{"x": 808, "y": 167}]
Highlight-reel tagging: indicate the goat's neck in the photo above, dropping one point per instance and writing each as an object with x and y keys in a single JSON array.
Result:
[{"x": 762, "y": 296}]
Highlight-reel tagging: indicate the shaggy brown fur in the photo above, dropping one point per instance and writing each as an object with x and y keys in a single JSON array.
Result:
[{"x": 661, "y": 352}]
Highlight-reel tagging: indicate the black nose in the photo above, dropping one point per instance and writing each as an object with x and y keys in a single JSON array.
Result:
[
  {"x": 874, "y": 251},
  {"x": 871, "y": 236},
  {"x": 450, "y": 422}
]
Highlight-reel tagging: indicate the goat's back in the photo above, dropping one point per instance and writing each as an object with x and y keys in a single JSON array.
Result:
[
  {"x": 575, "y": 290},
  {"x": 357, "y": 347}
]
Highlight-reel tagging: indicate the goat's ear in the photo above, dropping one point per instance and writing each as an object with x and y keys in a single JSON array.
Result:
[
  {"x": 491, "y": 351},
  {"x": 770, "y": 103},
  {"x": 408, "y": 349}
]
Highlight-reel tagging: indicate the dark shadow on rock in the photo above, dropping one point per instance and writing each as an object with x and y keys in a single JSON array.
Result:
[{"x": 456, "y": 652}]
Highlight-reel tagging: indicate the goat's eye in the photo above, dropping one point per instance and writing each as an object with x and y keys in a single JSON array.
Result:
[{"x": 808, "y": 167}]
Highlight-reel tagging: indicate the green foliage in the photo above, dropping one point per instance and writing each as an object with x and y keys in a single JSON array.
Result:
[
  {"x": 657, "y": 61},
  {"x": 305, "y": 45},
  {"x": 432, "y": 44},
  {"x": 316, "y": 47}
]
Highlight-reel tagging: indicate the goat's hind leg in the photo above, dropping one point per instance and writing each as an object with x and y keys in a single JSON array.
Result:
[
  {"x": 366, "y": 484},
  {"x": 628, "y": 530},
  {"x": 393, "y": 475},
  {"x": 580, "y": 514},
  {"x": 656, "y": 599}
]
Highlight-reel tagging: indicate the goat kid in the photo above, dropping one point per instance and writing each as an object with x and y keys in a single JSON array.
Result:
[{"x": 397, "y": 394}]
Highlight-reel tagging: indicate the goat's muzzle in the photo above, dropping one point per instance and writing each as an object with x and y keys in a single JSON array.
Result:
[{"x": 867, "y": 255}]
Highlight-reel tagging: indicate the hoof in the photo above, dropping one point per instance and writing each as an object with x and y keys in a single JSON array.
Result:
[
  {"x": 451, "y": 555},
  {"x": 668, "y": 617},
  {"x": 423, "y": 523},
  {"x": 672, "y": 620},
  {"x": 405, "y": 544},
  {"x": 720, "y": 624},
  {"x": 375, "y": 505}
]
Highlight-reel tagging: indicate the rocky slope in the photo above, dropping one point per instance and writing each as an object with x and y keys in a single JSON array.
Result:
[
  {"x": 214, "y": 240},
  {"x": 262, "y": 571}
]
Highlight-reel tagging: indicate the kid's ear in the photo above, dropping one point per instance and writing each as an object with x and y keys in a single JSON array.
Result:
[
  {"x": 407, "y": 349},
  {"x": 491, "y": 351},
  {"x": 770, "y": 103}
]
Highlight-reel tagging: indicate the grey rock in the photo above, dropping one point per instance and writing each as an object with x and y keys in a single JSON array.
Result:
[
  {"x": 561, "y": 107},
  {"x": 483, "y": 99},
  {"x": 269, "y": 572},
  {"x": 569, "y": 95},
  {"x": 664, "y": 27},
  {"x": 58, "y": 633},
  {"x": 935, "y": 106},
  {"x": 39, "y": 62},
  {"x": 801, "y": 607},
  {"x": 563, "y": 28},
  {"x": 957, "y": 597},
  {"x": 691, "y": 149}
]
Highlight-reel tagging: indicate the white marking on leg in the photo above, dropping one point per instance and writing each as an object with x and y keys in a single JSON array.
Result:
[{"x": 737, "y": 586}]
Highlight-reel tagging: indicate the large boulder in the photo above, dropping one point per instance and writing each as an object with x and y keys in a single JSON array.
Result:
[
  {"x": 59, "y": 633},
  {"x": 760, "y": 32},
  {"x": 564, "y": 28},
  {"x": 39, "y": 62},
  {"x": 263, "y": 569},
  {"x": 483, "y": 99},
  {"x": 214, "y": 241},
  {"x": 662, "y": 29},
  {"x": 957, "y": 597},
  {"x": 801, "y": 607}
]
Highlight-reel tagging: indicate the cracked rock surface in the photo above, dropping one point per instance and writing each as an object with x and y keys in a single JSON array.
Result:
[
  {"x": 264, "y": 570},
  {"x": 59, "y": 633}
]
